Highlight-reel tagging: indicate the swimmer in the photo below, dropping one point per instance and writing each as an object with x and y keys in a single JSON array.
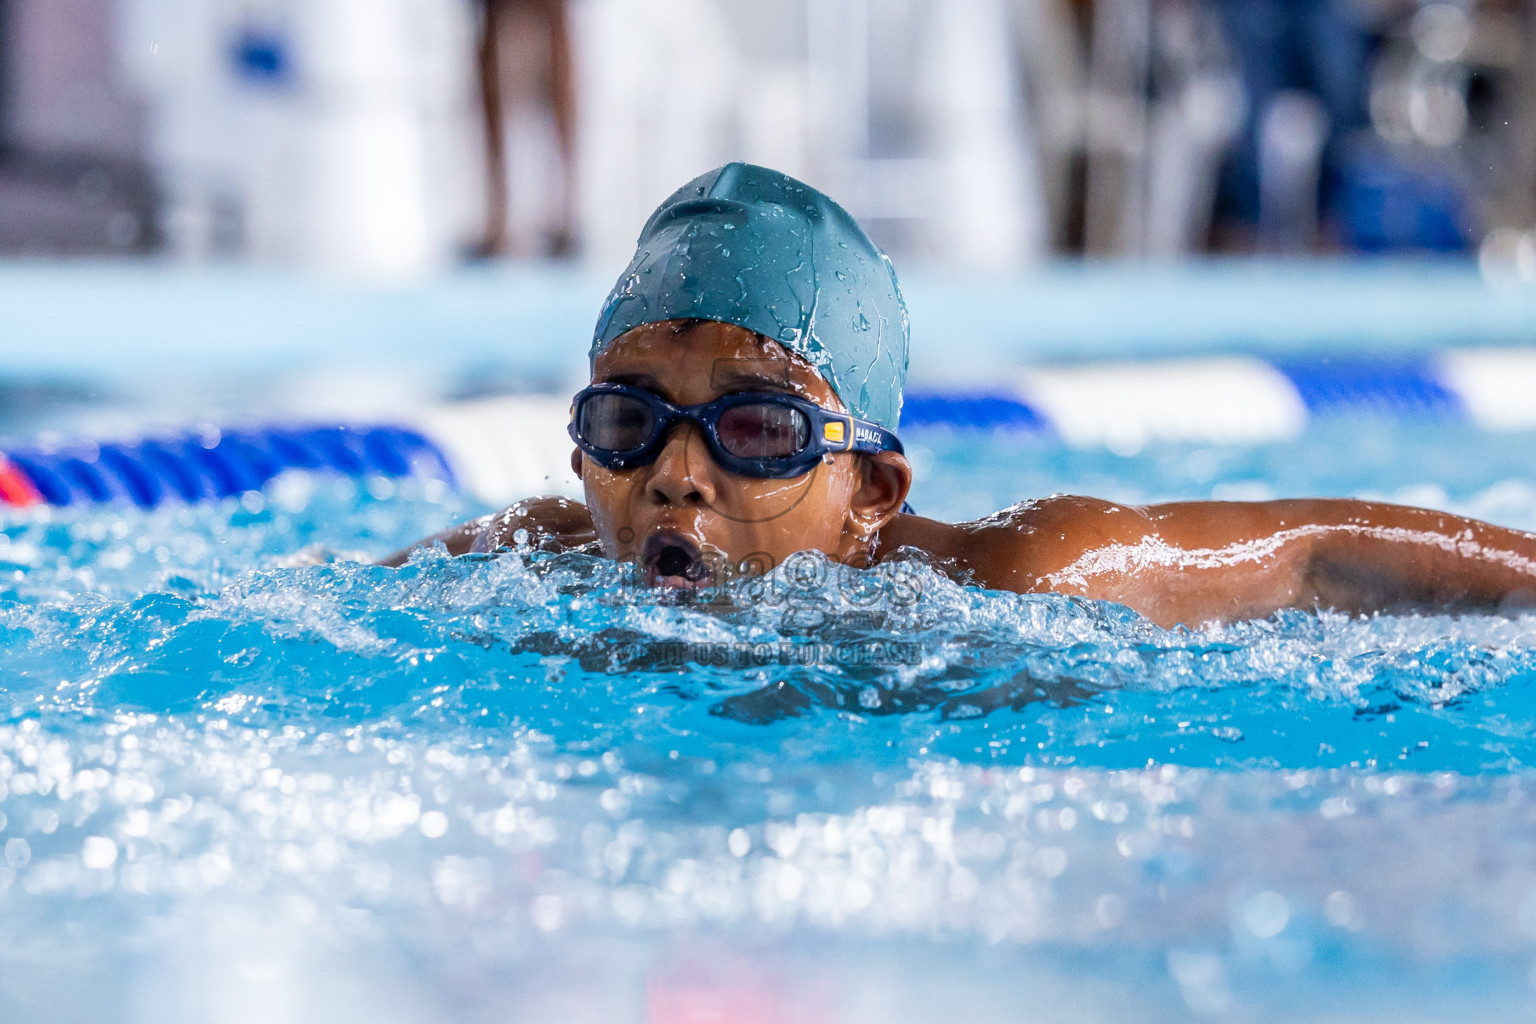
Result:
[{"x": 747, "y": 375}]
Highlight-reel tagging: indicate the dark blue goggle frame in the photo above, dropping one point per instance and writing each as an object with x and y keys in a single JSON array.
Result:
[{"x": 830, "y": 432}]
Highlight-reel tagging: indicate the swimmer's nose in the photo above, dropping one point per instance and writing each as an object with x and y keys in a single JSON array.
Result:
[{"x": 683, "y": 473}]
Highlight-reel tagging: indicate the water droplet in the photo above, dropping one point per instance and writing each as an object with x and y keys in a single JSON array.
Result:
[
  {"x": 98, "y": 852},
  {"x": 1340, "y": 910},
  {"x": 739, "y": 842},
  {"x": 1266, "y": 914},
  {"x": 18, "y": 852}
]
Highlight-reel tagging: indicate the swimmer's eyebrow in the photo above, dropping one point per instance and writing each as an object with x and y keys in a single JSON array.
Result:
[
  {"x": 740, "y": 380},
  {"x": 636, "y": 380},
  {"x": 725, "y": 381}
]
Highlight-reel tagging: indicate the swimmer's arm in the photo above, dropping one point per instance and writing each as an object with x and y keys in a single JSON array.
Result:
[
  {"x": 549, "y": 521},
  {"x": 1197, "y": 562},
  {"x": 1369, "y": 557}
]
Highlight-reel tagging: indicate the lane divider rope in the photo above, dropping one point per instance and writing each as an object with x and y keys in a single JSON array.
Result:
[{"x": 502, "y": 449}]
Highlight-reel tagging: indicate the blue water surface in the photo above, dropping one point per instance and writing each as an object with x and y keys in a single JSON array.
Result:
[{"x": 246, "y": 775}]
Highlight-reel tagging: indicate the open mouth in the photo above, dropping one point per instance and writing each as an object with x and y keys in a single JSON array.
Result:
[{"x": 673, "y": 560}]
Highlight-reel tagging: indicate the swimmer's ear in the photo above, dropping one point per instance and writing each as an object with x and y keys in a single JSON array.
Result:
[
  {"x": 884, "y": 480},
  {"x": 576, "y": 462}
]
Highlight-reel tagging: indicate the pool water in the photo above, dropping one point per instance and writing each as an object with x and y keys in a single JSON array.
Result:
[{"x": 245, "y": 776}]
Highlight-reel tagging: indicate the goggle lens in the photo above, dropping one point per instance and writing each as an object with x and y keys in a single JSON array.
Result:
[
  {"x": 763, "y": 431},
  {"x": 615, "y": 422}
]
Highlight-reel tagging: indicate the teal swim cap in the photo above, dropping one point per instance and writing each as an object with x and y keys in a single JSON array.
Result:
[{"x": 750, "y": 246}]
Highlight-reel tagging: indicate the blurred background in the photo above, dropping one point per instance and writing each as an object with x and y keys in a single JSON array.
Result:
[
  {"x": 427, "y": 199},
  {"x": 405, "y": 137}
]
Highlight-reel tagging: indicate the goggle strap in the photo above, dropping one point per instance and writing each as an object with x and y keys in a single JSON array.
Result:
[{"x": 875, "y": 438}]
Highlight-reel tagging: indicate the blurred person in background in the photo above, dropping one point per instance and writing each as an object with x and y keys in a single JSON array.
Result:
[
  {"x": 1453, "y": 108},
  {"x": 1160, "y": 105},
  {"x": 525, "y": 57},
  {"x": 1304, "y": 66},
  {"x": 1379, "y": 125}
]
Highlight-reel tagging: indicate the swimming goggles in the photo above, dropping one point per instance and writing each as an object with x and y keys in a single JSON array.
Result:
[{"x": 757, "y": 434}]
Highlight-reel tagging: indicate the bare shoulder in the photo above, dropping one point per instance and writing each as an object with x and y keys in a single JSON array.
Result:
[
  {"x": 1023, "y": 546},
  {"x": 552, "y": 519},
  {"x": 1027, "y": 547}
]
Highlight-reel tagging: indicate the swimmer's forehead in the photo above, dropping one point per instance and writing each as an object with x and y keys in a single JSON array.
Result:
[{"x": 666, "y": 355}]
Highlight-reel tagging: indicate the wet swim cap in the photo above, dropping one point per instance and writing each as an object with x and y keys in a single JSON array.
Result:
[{"x": 750, "y": 246}]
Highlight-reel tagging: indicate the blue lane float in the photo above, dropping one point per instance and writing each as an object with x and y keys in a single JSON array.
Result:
[
  {"x": 1388, "y": 388},
  {"x": 209, "y": 465},
  {"x": 504, "y": 448}
]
